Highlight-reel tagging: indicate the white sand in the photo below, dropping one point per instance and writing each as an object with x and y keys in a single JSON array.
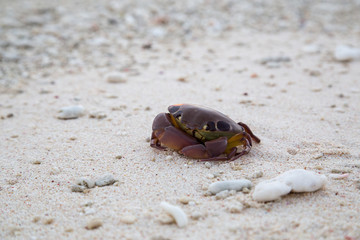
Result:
[{"x": 301, "y": 120}]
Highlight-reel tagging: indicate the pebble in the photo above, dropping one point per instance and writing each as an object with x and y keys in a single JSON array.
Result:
[
  {"x": 345, "y": 53},
  {"x": 207, "y": 165},
  {"x": 36, "y": 162},
  {"x": 235, "y": 208},
  {"x": 71, "y": 112},
  {"x": 312, "y": 48},
  {"x": 166, "y": 219},
  {"x": 77, "y": 188},
  {"x": 105, "y": 180},
  {"x": 128, "y": 219},
  {"x": 184, "y": 200},
  {"x": 258, "y": 174},
  {"x": 195, "y": 215},
  {"x": 94, "y": 224},
  {"x": 338, "y": 176},
  {"x": 269, "y": 60},
  {"x": 49, "y": 221},
  {"x": 224, "y": 194},
  {"x": 297, "y": 180},
  {"x": 236, "y": 185},
  {"x": 88, "y": 183},
  {"x": 98, "y": 115},
  {"x": 176, "y": 212},
  {"x": 116, "y": 77}
]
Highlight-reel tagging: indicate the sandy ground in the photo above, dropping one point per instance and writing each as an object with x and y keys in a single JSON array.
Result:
[{"x": 306, "y": 112}]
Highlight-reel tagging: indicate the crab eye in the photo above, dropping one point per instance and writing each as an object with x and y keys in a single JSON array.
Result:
[
  {"x": 223, "y": 126},
  {"x": 210, "y": 126},
  {"x": 173, "y": 108}
]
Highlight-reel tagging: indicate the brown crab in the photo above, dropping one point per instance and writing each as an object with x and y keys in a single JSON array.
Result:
[{"x": 201, "y": 133}]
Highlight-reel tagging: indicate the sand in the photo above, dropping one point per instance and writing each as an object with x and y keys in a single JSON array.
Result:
[{"x": 305, "y": 111}]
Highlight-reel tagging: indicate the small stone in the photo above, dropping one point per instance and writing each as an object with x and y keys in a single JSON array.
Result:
[
  {"x": 36, "y": 219},
  {"x": 292, "y": 151},
  {"x": 10, "y": 115},
  {"x": 128, "y": 219},
  {"x": 235, "y": 208},
  {"x": 258, "y": 174},
  {"x": 94, "y": 224},
  {"x": 88, "y": 183},
  {"x": 97, "y": 115},
  {"x": 118, "y": 157},
  {"x": 176, "y": 212},
  {"x": 169, "y": 158},
  {"x": 12, "y": 181},
  {"x": 105, "y": 180},
  {"x": 184, "y": 200},
  {"x": 49, "y": 221},
  {"x": 338, "y": 176},
  {"x": 55, "y": 171},
  {"x": 208, "y": 165},
  {"x": 166, "y": 219},
  {"x": 210, "y": 176},
  {"x": 77, "y": 188},
  {"x": 116, "y": 77},
  {"x": 245, "y": 190},
  {"x": 345, "y": 53},
  {"x": 36, "y": 162},
  {"x": 236, "y": 185},
  {"x": 195, "y": 215},
  {"x": 312, "y": 48},
  {"x": 71, "y": 112},
  {"x": 222, "y": 195}
]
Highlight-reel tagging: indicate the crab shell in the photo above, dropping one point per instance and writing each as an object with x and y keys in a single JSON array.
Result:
[{"x": 201, "y": 133}]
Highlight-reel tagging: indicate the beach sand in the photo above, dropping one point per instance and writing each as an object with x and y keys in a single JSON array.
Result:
[{"x": 303, "y": 106}]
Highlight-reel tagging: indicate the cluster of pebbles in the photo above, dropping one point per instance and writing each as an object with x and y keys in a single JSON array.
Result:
[
  {"x": 82, "y": 184},
  {"x": 33, "y": 38}
]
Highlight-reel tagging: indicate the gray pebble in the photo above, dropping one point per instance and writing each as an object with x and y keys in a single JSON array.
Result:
[
  {"x": 105, "y": 180},
  {"x": 116, "y": 77},
  {"x": 236, "y": 185},
  {"x": 97, "y": 115},
  {"x": 71, "y": 112},
  {"x": 77, "y": 188}
]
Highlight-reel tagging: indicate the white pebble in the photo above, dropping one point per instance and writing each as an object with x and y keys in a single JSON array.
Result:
[
  {"x": 301, "y": 180},
  {"x": 169, "y": 158},
  {"x": 88, "y": 183},
  {"x": 312, "y": 48},
  {"x": 116, "y": 77},
  {"x": 270, "y": 190},
  {"x": 128, "y": 219},
  {"x": 176, "y": 212},
  {"x": 297, "y": 180},
  {"x": 236, "y": 185},
  {"x": 338, "y": 176},
  {"x": 105, "y": 180},
  {"x": 222, "y": 195},
  {"x": 71, "y": 112},
  {"x": 346, "y": 53}
]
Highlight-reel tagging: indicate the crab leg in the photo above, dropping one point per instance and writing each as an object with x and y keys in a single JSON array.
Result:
[
  {"x": 248, "y": 131},
  {"x": 210, "y": 149}
]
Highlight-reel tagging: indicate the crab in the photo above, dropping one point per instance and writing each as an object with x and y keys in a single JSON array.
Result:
[{"x": 201, "y": 133}]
